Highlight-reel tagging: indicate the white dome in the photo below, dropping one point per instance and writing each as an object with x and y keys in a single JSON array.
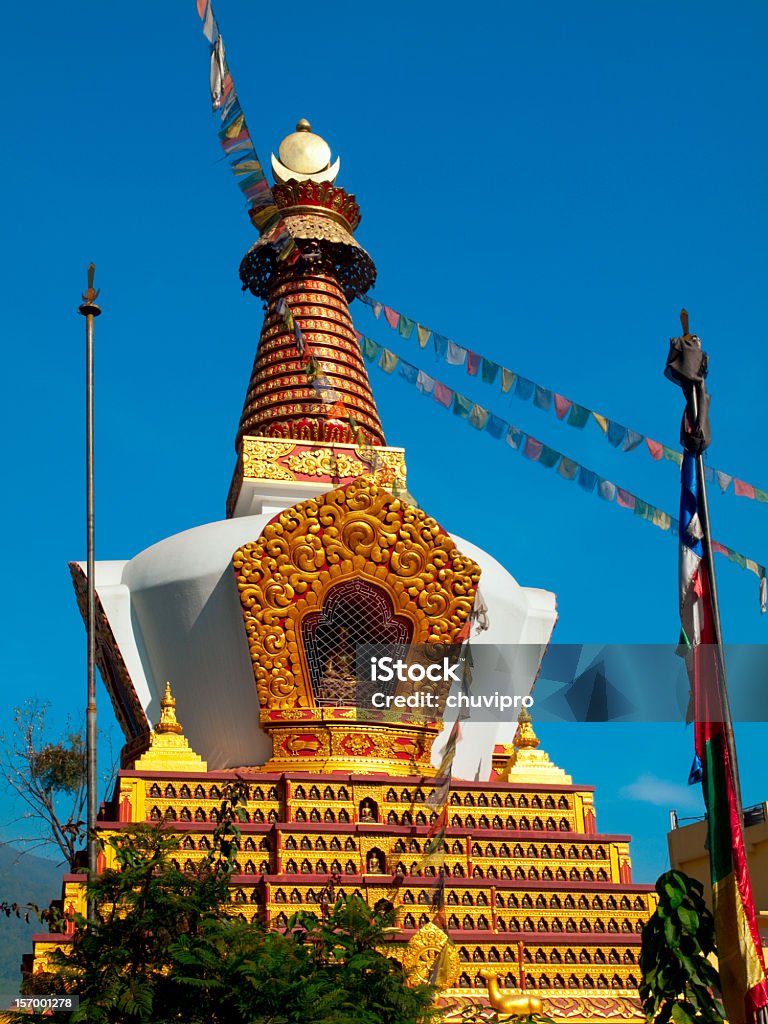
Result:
[{"x": 175, "y": 613}]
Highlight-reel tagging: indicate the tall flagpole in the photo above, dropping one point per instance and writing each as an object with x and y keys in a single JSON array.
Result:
[
  {"x": 709, "y": 561},
  {"x": 90, "y": 311}
]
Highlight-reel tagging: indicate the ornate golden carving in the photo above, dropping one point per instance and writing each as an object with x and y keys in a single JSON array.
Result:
[
  {"x": 335, "y": 746},
  {"x": 421, "y": 952},
  {"x": 268, "y": 470},
  {"x": 354, "y": 531},
  {"x": 322, "y": 462}
]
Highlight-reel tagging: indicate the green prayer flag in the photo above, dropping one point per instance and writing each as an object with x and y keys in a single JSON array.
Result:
[
  {"x": 462, "y": 406},
  {"x": 405, "y": 327},
  {"x": 740, "y": 560},
  {"x": 643, "y": 509},
  {"x": 489, "y": 370},
  {"x": 671, "y": 455},
  {"x": 577, "y": 416},
  {"x": 370, "y": 347},
  {"x": 548, "y": 457},
  {"x": 761, "y": 495}
]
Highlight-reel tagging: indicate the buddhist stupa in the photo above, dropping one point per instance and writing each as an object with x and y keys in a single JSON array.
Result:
[{"x": 255, "y": 619}]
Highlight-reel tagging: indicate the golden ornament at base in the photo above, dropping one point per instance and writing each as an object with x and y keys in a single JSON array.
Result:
[{"x": 422, "y": 952}]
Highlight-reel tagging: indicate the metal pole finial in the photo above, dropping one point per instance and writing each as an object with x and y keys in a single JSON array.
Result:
[
  {"x": 89, "y": 307},
  {"x": 684, "y": 322}
]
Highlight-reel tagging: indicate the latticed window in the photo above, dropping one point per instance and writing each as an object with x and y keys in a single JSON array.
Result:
[{"x": 355, "y": 613}]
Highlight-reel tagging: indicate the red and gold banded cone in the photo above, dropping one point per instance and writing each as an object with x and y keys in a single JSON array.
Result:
[{"x": 281, "y": 401}]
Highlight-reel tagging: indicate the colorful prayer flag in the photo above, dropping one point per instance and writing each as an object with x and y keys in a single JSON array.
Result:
[
  {"x": 455, "y": 355},
  {"x": 442, "y": 395},
  {"x": 578, "y": 416},
  {"x": 489, "y": 371},
  {"x": 423, "y": 334},
  {"x": 568, "y": 468},
  {"x": 562, "y": 406},
  {"x": 542, "y": 398},
  {"x": 524, "y": 389},
  {"x": 405, "y": 327},
  {"x": 388, "y": 360},
  {"x": 742, "y": 489},
  {"x": 496, "y": 426},
  {"x": 393, "y": 318}
]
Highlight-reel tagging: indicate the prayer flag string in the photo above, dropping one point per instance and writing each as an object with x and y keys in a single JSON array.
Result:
[
  {"x": 235, "y": 140},
  {"x": 565, "y": 409},
  {"x": 536, "y": 451}
]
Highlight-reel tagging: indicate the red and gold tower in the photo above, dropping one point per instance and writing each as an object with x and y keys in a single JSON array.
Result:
[{"x": 283, "y": 402}]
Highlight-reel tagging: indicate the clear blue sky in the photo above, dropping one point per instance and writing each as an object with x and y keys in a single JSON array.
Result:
[{"x": 546, "y": 184}]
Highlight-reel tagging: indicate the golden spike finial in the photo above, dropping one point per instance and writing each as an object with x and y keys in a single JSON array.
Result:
[
  {"x": 525, "y": 737},
  {"x": 168, "y": 721},
  {"x": 684, "y": 322}
]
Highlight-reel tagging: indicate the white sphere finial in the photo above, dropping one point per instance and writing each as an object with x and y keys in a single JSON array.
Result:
[{"x": 304, "y": 155}]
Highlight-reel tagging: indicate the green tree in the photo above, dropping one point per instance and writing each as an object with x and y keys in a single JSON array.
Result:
[
  {"x": 49, "y": 777},
  {"x": 164, "y": 949},
  {"x": 679, "y": 983}
]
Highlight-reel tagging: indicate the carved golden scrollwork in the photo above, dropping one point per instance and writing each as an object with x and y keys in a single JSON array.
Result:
[
  {"x": 423, "y": 950},
  {"x": 322, "y": 462},
  {"x": 359, "y": 530}
]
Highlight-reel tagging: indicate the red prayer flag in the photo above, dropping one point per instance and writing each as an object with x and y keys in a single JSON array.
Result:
[
  {"x": 393, "y": 318},
  {"x": 656, "y": 449},
  {"x": 624, "y": 498},
  {"x": 562, "y": 406},
  {"x": 742, "y": 489},
  {"x": 442, "y": 394},
  {"x": 201, "y": 6},
  {"x": 473, "y": 363},
  {"x": 533, "y": 449}
]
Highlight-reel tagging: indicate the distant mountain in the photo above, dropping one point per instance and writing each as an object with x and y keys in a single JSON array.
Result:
[{"x": 24, "y": 878}]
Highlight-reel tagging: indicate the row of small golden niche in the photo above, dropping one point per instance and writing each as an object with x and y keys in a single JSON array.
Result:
[
  {"x": 343, "y": 817},
  {"x": 342, "y": 793}
]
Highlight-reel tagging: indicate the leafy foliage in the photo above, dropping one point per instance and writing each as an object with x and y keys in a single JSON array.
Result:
[
  {"x": 679, "y": 983},
  {"x": 165, "y": 949}
]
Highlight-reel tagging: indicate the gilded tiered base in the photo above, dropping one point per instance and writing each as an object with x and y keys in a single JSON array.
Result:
[{"x": 533, "y": 893}]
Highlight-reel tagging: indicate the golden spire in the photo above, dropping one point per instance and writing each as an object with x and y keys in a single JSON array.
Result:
[
  {"x": 525, "y": 737},
  {"x": 168, "y": 721},
  {"x": 169, "y": 749},
  {"x": 522, "y": 761}
]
